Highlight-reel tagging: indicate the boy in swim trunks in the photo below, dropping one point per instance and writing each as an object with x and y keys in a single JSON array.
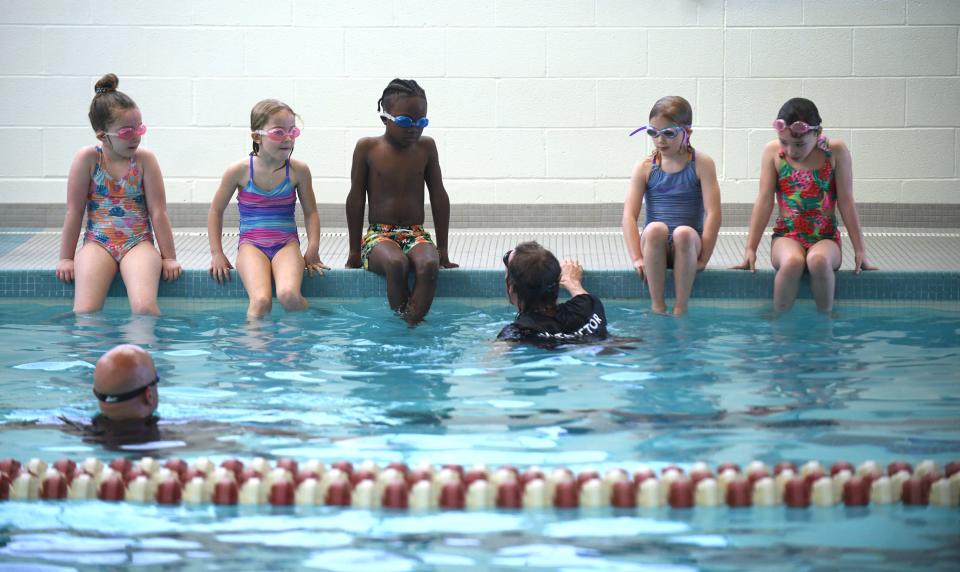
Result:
[{"x": 391, "y": 171}]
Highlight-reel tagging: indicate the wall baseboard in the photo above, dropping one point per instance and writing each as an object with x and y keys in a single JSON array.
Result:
[{"x": 601, "y": 215}]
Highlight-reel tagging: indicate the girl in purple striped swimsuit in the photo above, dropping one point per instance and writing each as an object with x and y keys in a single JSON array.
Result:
[{"x": 268, "y": 182}]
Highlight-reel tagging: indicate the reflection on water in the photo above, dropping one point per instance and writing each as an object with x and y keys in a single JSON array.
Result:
[
  {"x": 724, "y": 383},
  {"x": 346, "y": 380}
]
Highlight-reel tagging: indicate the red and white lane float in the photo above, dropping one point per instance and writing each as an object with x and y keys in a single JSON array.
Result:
[{"x": 424, "y": 487}]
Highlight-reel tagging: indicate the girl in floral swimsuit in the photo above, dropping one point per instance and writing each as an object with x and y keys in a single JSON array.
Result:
[
  {"x": 120, "y": 187},
  {"x": 811, "y": 178}
]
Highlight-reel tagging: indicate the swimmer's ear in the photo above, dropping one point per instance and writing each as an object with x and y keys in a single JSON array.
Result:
[{"x": 101, "y": 135}]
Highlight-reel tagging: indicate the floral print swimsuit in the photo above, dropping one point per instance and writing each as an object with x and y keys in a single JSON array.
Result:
[
  {"x": 807, "y": 200},
  {"x": 117, "y": 216}
]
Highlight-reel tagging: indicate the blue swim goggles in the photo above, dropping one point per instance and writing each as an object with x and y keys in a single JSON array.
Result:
[{"x": 406, "y": 122}]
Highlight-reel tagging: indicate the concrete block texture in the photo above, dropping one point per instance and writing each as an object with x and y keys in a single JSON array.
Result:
[
  {"x": 528, "y": 99},
  {"x": 782, "y": 53},
  {"x": 596, "y": 53},
  {"x": 858, "y": 102},
  {"x": 545, "y": 13},
  {"x": 458, "y": 13},
  {"x": 589, "y": 154},
  {"x": 227, "y": 102},
  {"x": 933, "y": 101},
  {"x": 343, "y": 13},
  {"x": 654, "y": 13},
  {"x": 906, "y": 51},
  {"x": 505, "y": 52},
  {"x": 546, "y": 103},
  {"x": 853, "y": 12},
  {"x": 685, "y": 53},
  {"x": 392, "y": 52},
  {"x": 904, "y": 153},
  {"x": 494, "y": 153},
  {"x": 936, "y": 12},
  {"x": 24, "y": 158},
  {"x": 764, "y": 12}
]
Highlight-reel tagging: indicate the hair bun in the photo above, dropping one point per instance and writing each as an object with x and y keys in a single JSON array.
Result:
[{"x": 106, "y": 84}]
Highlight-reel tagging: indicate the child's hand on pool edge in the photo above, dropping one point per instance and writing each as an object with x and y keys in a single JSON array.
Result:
[
  {"x": 353, "y": 260},
  {"x": 445, "y": 261},
  {"x": 749, "y": 261},
  {"x": 65, "y": 270},
  {"x": 860, "y": 263},
  {"x": 220, "y": 267},
  {"x": 313, "y": 264},
  {"x": 170, "y": 269}
]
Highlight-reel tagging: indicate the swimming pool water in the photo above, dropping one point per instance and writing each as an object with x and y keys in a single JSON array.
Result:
[{"x": 346, "y": 380}]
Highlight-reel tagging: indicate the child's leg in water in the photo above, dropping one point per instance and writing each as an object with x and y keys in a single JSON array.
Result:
[
  {"x": 823, "y": 259},
  {"x": 686, "y": 251},
  {"x": 389, "y": 261},
  {"x": 426, "y": 265},
  {"x": 789, "y": 260},
  {"x": 140, "y": 268},
  {"x": 653, "y": 243},
  {"x": 254, "y": 269},
  {"x": 94, "y": 272},
  {"x": 288, "y": 268}
]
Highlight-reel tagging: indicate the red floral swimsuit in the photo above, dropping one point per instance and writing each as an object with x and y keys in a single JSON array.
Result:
[{"x": 807, "y": 200}]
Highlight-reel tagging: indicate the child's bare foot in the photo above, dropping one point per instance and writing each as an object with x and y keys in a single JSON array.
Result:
[{"x": 658, "y": 309}]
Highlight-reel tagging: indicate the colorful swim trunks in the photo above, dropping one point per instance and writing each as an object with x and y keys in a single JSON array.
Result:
[{"x": 406, "y": 238}]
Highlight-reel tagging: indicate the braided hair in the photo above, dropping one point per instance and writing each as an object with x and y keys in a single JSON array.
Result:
[{"x": 399, "y": 88}]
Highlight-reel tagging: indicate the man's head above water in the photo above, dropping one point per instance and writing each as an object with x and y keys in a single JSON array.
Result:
[{"x": 125, "y": 383}]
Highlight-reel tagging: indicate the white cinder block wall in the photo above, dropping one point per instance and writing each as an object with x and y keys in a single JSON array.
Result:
[{"x": 529, "y": 100}]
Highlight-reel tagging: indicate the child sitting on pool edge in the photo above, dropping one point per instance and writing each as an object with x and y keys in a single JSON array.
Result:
[
  {"x": 120, "y": 186},
  {"x": 391, "y": 170},
  {"x": 269, "y": 247},
  {"x": 533, "y": 281},
  {"x": 810, "y": 177}
]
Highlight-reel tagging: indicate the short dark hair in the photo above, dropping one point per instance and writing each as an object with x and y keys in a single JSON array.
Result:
[
  {"x": 399, "y": 88},
  {"x": 800, "y": 109},
  {"x": 106, "y": 100},
  {"x": 534, "y": 273}
]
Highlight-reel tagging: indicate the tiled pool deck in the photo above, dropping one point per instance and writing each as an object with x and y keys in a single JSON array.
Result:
[{"x": 915, "y": 265}]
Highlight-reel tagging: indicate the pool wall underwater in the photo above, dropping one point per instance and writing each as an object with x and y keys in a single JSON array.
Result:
[{"x": 943, "y": 286}]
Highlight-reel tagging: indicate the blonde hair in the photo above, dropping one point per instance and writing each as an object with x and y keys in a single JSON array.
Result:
[
  {"x": 261, "y": 113},
  {"x": 677, "y": 110}
]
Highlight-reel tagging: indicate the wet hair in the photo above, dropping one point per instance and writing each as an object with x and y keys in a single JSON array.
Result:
[
  {"x": 106, "y": 101},
  {"x": 399, "y": 88},
  {"x": 261, "y": 113},
  {"x": 800, "y": 109},
  {"x": 534, "y": 273},
  {"x": 677, "y": 110}
]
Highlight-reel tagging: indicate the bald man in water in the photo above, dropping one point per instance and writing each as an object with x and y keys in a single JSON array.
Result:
[{"x": 125, "y": 381}]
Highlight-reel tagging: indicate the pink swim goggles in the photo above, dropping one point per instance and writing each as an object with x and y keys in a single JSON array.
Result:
[
  {"x": 127, "y": 133},
  {"x": 279, "y": 133},
  {"x": 797, "y": 127}
]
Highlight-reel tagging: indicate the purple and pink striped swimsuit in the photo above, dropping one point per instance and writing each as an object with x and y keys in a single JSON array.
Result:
[{"x": 267, "y": 217}]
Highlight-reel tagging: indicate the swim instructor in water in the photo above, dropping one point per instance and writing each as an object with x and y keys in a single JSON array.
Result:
[{"x": 125, "y": 382}]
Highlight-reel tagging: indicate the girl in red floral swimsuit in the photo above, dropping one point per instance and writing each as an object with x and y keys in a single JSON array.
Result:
[{"x": 811, "y": 178}]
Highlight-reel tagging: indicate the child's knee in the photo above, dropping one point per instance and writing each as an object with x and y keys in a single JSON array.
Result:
[
  {"x": 145, "y": 307},
  {"x": 684, "y": 237},
  {"x": 819, "y": 264},
  {"x": 656, "y": 230},
  {"x": 428, "y": 268},
  {"x": 793, "y": 264},
  {"x": 260, "y": 304},
  {"x": 289, "y": 297}
]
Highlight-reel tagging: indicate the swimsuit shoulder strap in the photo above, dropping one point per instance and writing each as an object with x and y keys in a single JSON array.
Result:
[
  {"x": 251, "y": 168},
  {"x": 287, "y": 165},
  {"x": 824, "y": 144}
]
